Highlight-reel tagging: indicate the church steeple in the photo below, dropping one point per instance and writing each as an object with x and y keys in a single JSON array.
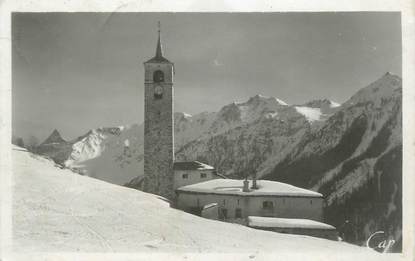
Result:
[
  {"x": 158, "y": 125},
  {"x": 159, "y": 50}
]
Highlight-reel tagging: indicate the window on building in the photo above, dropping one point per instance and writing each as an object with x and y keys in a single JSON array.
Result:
[
  {"x": 224, "y": 214},
  {"x": 185, "y": 176},
  {"x": 267, "y": 204},
  {"x": 311, "y": 202},
  {"x": 238, "y": 201},
  {"x": 202, "y": 175},
  {"x": 224, "y": 202},
  {"x": 238, "y": 213}
]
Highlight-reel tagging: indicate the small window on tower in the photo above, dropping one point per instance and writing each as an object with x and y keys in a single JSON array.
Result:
[
  {"x": 158, "y": 76},
  {"x": 185, "y": 176}
]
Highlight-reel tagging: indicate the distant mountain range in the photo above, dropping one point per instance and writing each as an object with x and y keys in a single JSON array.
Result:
[{"x": 350, "y": 152}]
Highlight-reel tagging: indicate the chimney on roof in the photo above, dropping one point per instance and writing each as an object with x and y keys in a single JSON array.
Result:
[
  {"x": 254, "y": 185},
  {"x": 246, "y": 185}
]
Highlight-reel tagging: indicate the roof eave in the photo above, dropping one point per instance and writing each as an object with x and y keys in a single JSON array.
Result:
[
  {"x": 246, "y": 194},
  {"x": 156, "y": 60}
]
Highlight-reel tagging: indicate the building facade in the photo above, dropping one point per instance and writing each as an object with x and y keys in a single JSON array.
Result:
[
  {"x": 270, "y": 199},
  {"x": 192, "y": 172},
  {"x": 158, "y": 125}
]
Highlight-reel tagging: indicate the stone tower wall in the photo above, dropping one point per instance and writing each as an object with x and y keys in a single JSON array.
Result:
[{"x": 158, "y": 133}]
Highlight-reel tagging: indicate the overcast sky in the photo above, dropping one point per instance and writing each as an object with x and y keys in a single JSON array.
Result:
[{"x": 77, "y": 71}]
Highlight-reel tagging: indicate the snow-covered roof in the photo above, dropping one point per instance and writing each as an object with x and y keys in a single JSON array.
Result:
[
  {"x": 271, "y": 222},
  {"x": 235, "y": 187},
  {"x": 191, "y": 165}
]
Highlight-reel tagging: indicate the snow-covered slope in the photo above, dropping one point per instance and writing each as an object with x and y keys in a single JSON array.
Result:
[
  {"x": 318, "y": 110},
  {"x": 57, "y": 210},
  {"x": 312, "y": 114}
]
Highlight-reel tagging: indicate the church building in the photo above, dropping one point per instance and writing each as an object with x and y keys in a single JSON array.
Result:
[{"x": 161, "y": 174}]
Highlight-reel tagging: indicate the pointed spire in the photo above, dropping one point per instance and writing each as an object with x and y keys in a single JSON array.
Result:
[
  {"x": 159, "y": 50},
  {"x": 158, "y": 58}
]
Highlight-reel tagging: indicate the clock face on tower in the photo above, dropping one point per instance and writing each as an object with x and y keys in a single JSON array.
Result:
[{"x": 158, "y": 92}]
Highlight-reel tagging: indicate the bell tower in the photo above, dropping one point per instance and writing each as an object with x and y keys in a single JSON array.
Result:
[{"x": 158, "y": 124}]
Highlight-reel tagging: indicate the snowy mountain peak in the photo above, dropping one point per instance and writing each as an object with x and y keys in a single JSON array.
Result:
[
  {"x": 393, "y": 80},
  {"x": 256, "y": 107},
  {"x": 318, "y": 107},
  {"x": 386, "y": 87},
  {"x": 322, "y": 103},
  {"x": 54, "y": 138},
  {"x": 264, "y": 99},
  {"x": 107, "y": 150},
  {"x": 317, "y": 110},
  {"x": 259, "y": 97},
  {"x": 229, "y": 112}
]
